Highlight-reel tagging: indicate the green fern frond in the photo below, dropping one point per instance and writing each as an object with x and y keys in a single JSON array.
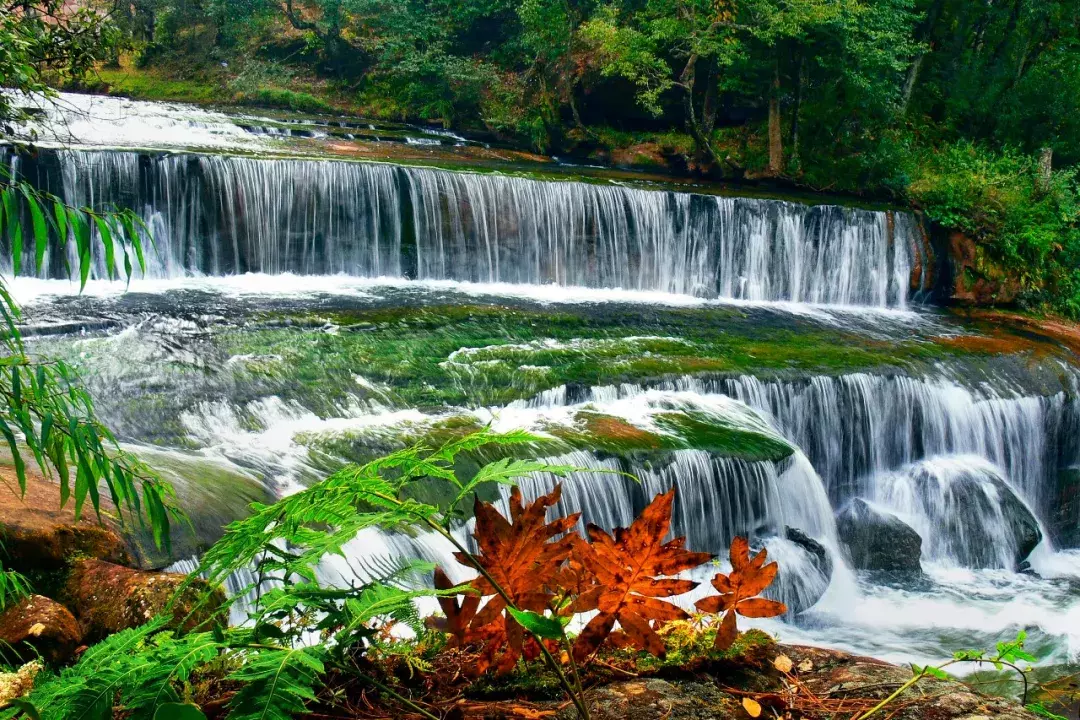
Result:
[
  {"x": 323, "y": 518},
  {"x": 278, "y": 683},
  {"x": 89, "y": 689},
  {"x": 172, "y": 660}
]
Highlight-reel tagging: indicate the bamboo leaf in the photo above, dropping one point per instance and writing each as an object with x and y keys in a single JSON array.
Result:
[
  {"x": 16, "y": 456},
  {"x": 105, "y": 232},
  {"x": 41, "y": 229}
]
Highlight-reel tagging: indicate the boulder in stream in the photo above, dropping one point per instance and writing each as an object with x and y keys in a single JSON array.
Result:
[
  {"x": 878, "y": 540},
  {"x": 965, "y": 511},
  {"x": 805, "y": 569}
]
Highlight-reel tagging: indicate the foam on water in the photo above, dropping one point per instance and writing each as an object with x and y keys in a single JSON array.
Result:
[{"x": 72, "y": 119}]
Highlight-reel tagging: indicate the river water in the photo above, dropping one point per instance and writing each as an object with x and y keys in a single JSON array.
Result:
[{"x": 298, "y": 313}]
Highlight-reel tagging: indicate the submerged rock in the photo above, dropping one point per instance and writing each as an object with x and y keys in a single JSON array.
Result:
[
  {"x": 964, "y": 510},
  {"x": 820, "y": 554},
  {"x": 878, "y": 540},
  {"x": 40, "y": 627},
  {"x": 109, "y": 598},
  {"x": 805, "y": 572}
]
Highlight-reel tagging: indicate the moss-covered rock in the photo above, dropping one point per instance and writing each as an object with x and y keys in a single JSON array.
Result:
[
  {"x": 212, "y": 493},
  {"x": 38, "y": 536},
  {"x": 109, "y": 598},
  {"x": 39, "y": 627}
]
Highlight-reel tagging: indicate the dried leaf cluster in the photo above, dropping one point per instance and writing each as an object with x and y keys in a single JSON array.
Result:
[{"x": 626, "y": 578}]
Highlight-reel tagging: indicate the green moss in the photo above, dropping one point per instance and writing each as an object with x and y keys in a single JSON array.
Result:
[
  {"x": 441, "y": 356},
  {"x": 688, "y": 646},
  {"x": 708, "y": 432}
]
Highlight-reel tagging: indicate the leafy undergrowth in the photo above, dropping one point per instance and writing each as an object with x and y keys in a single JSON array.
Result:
[
  {"x": 549, "y": 614},
  {"x": 331, "y": 649}
]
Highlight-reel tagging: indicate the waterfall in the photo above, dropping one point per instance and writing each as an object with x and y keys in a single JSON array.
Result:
[
  {"x": 853, "y": 427},
  {"x": 717, "y": 498},
  {"x": 856, "y": 429},
  {"x": 219, "y": 215},
  {"x": 964, "y": 510}
]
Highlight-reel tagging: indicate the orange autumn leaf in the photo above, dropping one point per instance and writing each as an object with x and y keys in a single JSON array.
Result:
[
  {"x": 458, "y": 617},
  {"x": 738, "y": 591},
  {"x": 631, "y": 573},
  {"x": 521, "y": 554}
]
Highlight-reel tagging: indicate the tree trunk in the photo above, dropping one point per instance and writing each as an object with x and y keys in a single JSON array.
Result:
[
  {"x": 909, "y": 82},
  {"x": 776, "y": 140},
  {"x": 702, "y": 145},
  {"x": 708, "y": 106},
  {"x": 1046, "y": 170},
  {"x": 794, "y": 141},
  {"x": 924, "y": 33}
]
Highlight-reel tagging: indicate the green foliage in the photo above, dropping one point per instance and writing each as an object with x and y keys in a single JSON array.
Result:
[
  {"x": 41, "y": 42},
  {"x": 1041, "y": 710},
  {"x": 43, "y": 410},
  {"x": 323, "y": 518},
  {"x": 179, "y": 711},
  {"x": 13, "y": 588},
  {"x": 1028, "y": 224},
  {"x": 277, "y": 684},
  {"x": 145, "y": 672}
]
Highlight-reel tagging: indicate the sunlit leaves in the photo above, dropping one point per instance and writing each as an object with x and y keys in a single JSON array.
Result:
[
  {"x": 633, "y": 571},
  {"x": 738, "y": 591},
  {"x": 43, "y": 409}
]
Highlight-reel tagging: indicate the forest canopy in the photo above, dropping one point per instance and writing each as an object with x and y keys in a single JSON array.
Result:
[{"x": 967, "y": 109}]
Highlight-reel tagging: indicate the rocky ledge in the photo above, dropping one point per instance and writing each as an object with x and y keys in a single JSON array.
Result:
[
  {"x": 820, "y": 684},
  {"x": 84, "y": 576}
]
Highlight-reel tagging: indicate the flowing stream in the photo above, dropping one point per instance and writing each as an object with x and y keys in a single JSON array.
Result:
[{"x": 300, "y": 313}]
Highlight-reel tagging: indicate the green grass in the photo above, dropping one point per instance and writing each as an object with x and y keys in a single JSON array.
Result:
[
  {"x": 150, "y": 86},
  {"x": 153, "y": 85}
]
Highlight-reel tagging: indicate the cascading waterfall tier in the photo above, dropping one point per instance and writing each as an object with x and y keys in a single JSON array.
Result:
[
  {"x": 859, "y": 430},
  {"x": 218, "y": 215}
]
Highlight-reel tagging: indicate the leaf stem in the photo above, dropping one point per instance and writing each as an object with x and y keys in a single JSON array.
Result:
[
  {"x": 575, "y": 697},
  {"x": 386, "y": 689},
  {"x": 900, "y": 691}
]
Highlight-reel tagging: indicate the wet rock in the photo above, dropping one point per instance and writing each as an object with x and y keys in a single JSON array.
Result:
[
  {"x": 1066, "y": 511},
  {"x": 878, "y": 540},
  {"x": 38, "y": 536},
  {"x": 976, "y": 279},
  {"x": 109, "y": 598},
  {"x": 40, "y": 627},
  {"x": 820, "y": 554},
  {"x": 838, "y": 675},
  {"x": 806, "y": 568},
  {"x": 970, "y": 514},
  {"x": 718, "y": 693}
]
